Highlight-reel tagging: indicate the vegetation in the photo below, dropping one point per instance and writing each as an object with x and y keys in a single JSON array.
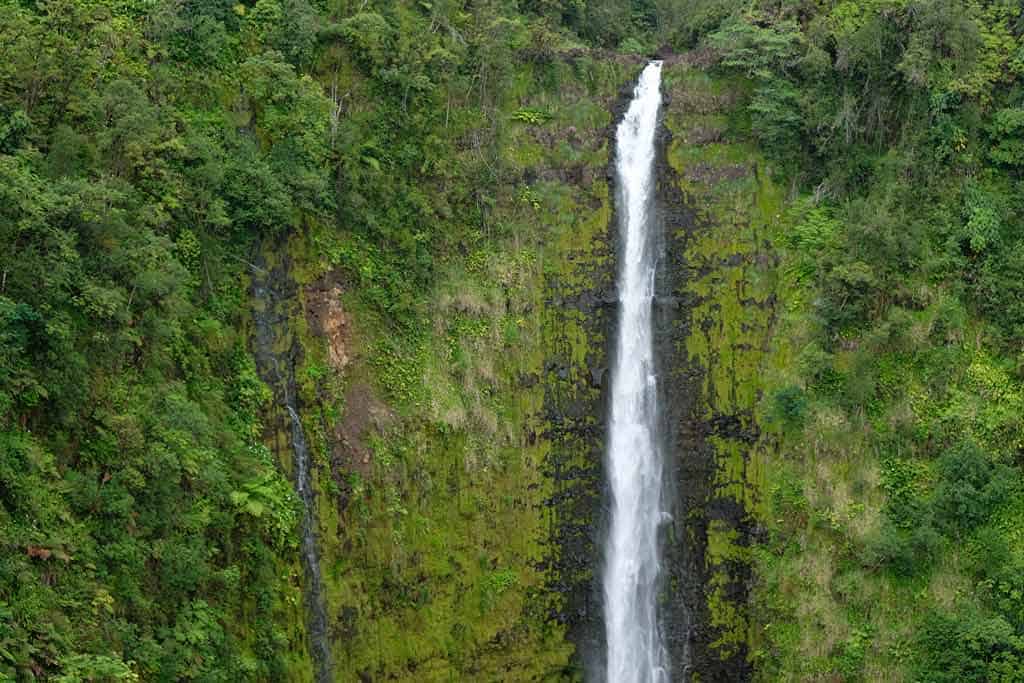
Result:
[
  {"x": 893, "y": 503},
  {"x": 147, "y": 151},
  {"x": 444, "y": 163},
  {"x": 141, "y": 515}
]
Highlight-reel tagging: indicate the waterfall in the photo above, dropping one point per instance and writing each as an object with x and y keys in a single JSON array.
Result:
[
  {"x": 636, "y": 653},
  {"x": 271, "y": 316},
  {"x": 310, "y": 555}
]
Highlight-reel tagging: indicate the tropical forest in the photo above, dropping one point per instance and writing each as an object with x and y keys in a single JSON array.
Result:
[{"x": 555, "y": 341}]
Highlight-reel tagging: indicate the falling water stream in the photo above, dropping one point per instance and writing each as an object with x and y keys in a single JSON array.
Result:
[
  {"x": 636, "y": 653},
  {"x": 308, "y": 546},
  {"x": 277, "y": 368}
]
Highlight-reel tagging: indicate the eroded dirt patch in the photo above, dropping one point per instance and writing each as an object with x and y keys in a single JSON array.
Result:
[
  {"x": 328, "y": 319},
  {"x": 364, "y": 415}
]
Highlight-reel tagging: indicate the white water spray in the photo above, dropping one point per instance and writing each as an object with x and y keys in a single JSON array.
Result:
[{"x": 636, "y": 653}]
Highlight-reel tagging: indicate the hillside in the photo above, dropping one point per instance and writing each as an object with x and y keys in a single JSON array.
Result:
[{"x": 306, "y": 321}]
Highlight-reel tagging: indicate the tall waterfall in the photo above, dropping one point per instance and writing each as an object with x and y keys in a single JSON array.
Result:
[{"x": 636, "y": 653}]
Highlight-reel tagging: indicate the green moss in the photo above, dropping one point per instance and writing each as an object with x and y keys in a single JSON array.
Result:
[
  {"x": 730, "y": 262},
  {"x": 434, "y": 567}
]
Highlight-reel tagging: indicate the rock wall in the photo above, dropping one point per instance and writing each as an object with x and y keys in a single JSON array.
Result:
[
  {"x": 718, "y": 200},
  {"x": 458, "y": 460}
]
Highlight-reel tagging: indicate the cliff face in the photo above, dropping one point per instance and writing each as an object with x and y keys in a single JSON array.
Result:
[
  {"x": 715, "y": 310},
  {"x": 457, "y": 460},
  {"x": 719, "y": 208},
  {"x": 458, "y": 464}
]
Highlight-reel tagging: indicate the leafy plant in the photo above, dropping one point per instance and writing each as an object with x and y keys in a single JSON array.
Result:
[{"x": 531, "y": 117}]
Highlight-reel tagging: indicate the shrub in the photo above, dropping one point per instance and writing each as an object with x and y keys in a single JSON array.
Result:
[
  {"x": 968, "y": 647},
  {"x": 970, "y": 487},
  {"x": 788, "y": 407},
  {"x": 906, "y": 552}
]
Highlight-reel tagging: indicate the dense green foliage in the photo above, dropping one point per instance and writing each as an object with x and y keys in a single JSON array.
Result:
[
  {"x": 895, "y": 510},
  {"x": 147, "y": 150},
  {"x": 144, "y": 146},
  {"x": 422, "y": 149}
]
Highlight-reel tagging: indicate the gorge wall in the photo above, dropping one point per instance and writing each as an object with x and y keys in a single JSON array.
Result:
[
  {"x": 458, "y": 462},
  {"x": 719, "y": 209},
  {"x": 459, "y": 477}
]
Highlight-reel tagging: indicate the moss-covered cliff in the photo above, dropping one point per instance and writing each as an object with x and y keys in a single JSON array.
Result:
[
  {"x": 459, "y": 466},
  {"x": 720, "y": 209},
  {"x": 458, "y": 460},
  {"x": 305, "y": 308}
]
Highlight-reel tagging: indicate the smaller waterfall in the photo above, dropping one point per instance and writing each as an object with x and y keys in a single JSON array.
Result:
[
  {"x": 636, "y": 652},
  {"x": 310, "y": 552},
  {"x": 270, "y": 319}
]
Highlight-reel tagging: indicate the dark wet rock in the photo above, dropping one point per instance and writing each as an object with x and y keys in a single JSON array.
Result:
[
  {"x": 708, "y": 173},
  {"x": 528, "y": 380},
  {"x": 278, "y": 352},
  {"x": 693, "y": 460}
]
